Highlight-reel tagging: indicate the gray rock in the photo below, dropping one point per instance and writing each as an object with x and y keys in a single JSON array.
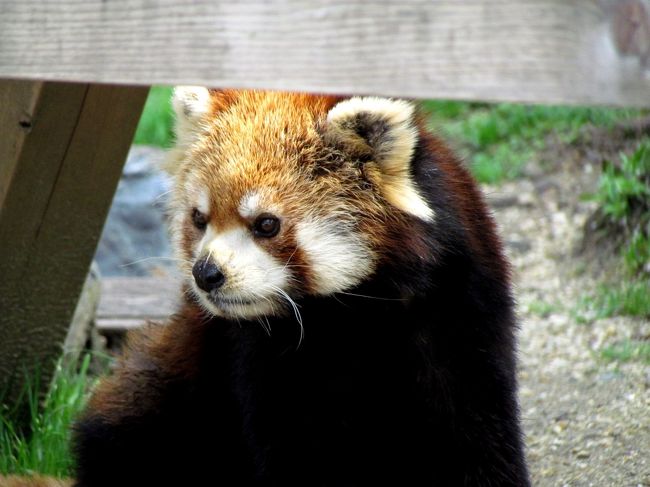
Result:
[
  {"x": 498, "y": 200},
  {"x": 520, "y": 246},
  {"x": 135, "y": 240}
]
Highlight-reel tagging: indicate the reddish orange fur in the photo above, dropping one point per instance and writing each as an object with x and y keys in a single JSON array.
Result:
[{"x": 171, "y": 347}]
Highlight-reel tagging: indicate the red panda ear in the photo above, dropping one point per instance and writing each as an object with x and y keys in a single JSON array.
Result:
[
  {"x": 382, "y": 131},
  {"x": 191, "y": 105}
]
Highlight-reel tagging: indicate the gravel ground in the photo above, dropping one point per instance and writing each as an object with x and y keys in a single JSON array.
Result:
[{"x": 586, "y": 420}]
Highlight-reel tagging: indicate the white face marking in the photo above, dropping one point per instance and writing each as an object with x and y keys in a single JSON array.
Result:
[
  {"x": 338, "y": 260},
  {"x": 203, "y": 202},
  {"x": 253, "y": 277},
  {"x": 249, "y": 205}
]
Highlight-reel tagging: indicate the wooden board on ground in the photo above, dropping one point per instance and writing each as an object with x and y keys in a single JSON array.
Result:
[
  {"x": 66, "y": 144},
  {"x": 551, "y": 51},
  {"x": 128, "y": 302}
]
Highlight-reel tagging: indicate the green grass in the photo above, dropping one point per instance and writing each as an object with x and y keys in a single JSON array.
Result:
[
  {"x": 636, "y": 254},
  {"x": 156, "y": 124},
  {"x": 541, "y": 308},
  {"x": 630, "y": 298},
  {"x": 499, "y": 139},
  {"x": 43, "y": 447},
  {"x": 627, "y": 351},
  {"x": 623, "y": 196},
  {"x": 623, "y": 187}
]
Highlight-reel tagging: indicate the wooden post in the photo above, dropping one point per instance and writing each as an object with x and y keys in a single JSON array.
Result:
[{"x": 62, "y": 149}]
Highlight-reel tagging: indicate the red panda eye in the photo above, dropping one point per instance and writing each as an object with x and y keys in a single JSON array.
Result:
[
  {"x": 266, "y": 226},
  {"x": 199, "y": 219}
]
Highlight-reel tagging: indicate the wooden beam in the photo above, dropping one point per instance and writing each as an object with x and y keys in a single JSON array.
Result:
[
  {"x": 138, "y": 298},
  {"x": 63, "y": 147},
  {"x": 559, "y": 51}
]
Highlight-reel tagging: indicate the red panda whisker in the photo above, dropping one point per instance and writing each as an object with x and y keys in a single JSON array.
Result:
[
  {"x": 155, "y": 258},
  {"x": 288, "y": 266},
  {"x": 157, "y": 198},
  {"x": 288, "y": 276},
  {"x": 290, "y": 257},
  {"x": 206, "y": 318},
  {"x": 267, "y": 326},
  {"x": 371, "y": 297},
  {"x": 295, "y": 310},
  {"x": 335, "y": 297}
]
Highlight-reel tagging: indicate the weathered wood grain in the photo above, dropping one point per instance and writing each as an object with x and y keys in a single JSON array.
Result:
[
  {"x": 17, "y": 101},
  {"x": 578, "y": 51},
  {"x": 65, "y": 167},
  {"x": 138, "y": 298},
  {"x": 113, "y": 328},
  {"x": 127, "y": 303}
]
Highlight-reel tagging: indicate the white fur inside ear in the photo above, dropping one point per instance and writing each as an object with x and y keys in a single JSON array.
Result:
[
  {"x": 392, "y": 150},
  {"x": 190, "y": 102},
  {"x": 203, "y": 202}
]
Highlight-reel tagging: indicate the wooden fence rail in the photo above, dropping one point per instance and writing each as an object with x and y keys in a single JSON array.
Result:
[{"x": 559, "y": 51}]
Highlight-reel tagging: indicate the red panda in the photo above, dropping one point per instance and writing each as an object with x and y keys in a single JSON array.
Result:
[{"x": 347, "y": 316}]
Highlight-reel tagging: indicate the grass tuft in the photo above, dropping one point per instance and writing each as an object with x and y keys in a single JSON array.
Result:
[
  {"x": 541, "y": 308},
  {"x": 498, "y": 140},
  {"x": 625, "y": 188},
  {"x": 624, "y": 198},
  {"x": 627, "y": 299},
  {"x": 627, "y": 351},
  {"x": 43, "y": 446}
]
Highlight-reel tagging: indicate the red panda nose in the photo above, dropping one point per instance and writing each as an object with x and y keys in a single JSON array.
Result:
[{"x": 207, "y": 275}]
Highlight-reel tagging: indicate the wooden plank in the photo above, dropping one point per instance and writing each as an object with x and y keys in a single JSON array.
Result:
[
  {"x": 127, "y": 303},
  {"x": 61, "y": 182},
  {"x": 579, "y": 51},
  {"x": 138, "y": 298},
  {"x": 119, "y": 326}
]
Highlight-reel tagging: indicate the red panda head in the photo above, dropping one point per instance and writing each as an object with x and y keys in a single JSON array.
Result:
[{"x": 282, "y": 195}]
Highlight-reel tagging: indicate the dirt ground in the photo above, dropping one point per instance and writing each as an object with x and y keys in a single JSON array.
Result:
[{"x": 586, "y": 419}]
